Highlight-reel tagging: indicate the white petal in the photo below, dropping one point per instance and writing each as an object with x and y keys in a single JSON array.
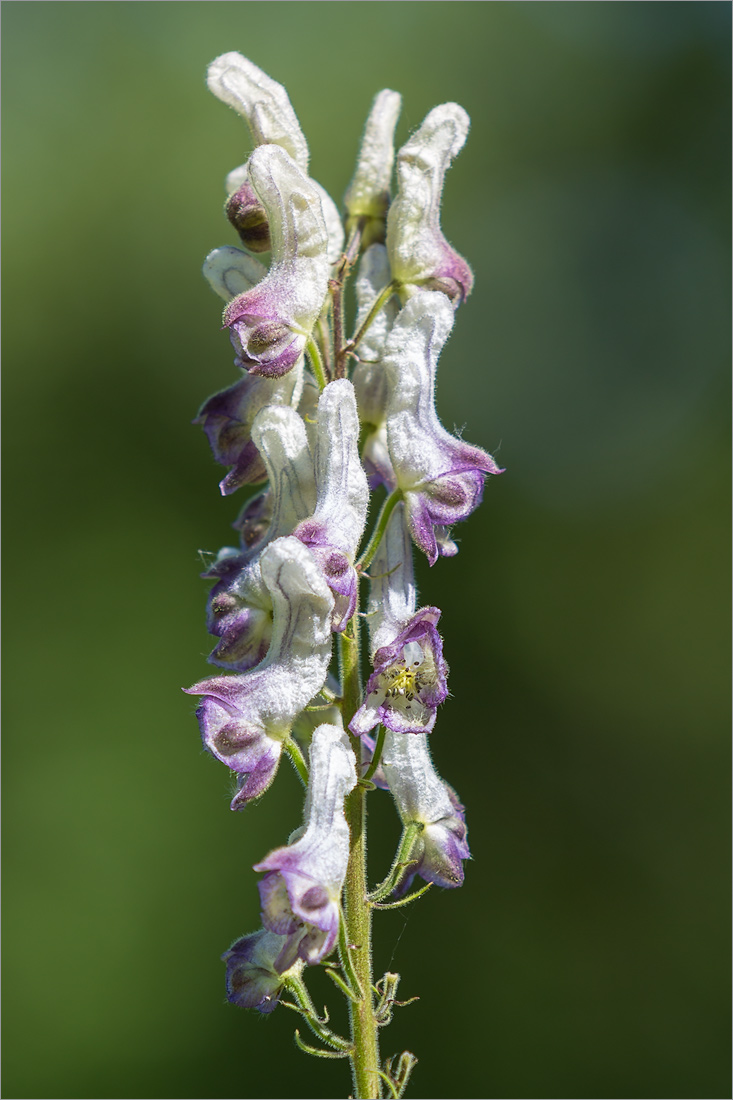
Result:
[
  {"x": 417, "y": 788},
  {"x": 368, "y": 193},
  {"x": 261, "y": 102},
  {"x": 392, "y": 594},
  {"x": 230, "y": 271},
  {"x": 279, "y": 434}
]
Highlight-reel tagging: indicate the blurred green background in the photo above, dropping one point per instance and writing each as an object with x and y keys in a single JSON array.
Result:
[{"x": 585, "y": 619}]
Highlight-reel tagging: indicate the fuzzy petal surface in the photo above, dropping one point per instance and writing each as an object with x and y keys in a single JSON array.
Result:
[
  {"x": 441, "y": 477},
  {"x": 271, "y": 323},
  {"x": 419, "y": 253},
  {"x": 302, "y": 886},
  {"x": 245, "y": 718}
]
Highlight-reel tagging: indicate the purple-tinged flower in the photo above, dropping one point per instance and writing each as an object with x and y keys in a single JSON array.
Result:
[
  {"x": 266, "y": 108},
  {"x": 419, "y": 254},
  {"x": 422, "y": 797},
  {"x": 334, "y": 530},
  {"x": 301, "y": 891},
  {"x": 409, "y": 680},
  {"x": 239, "y": 604},
  {"x": 227, "y": 420},
  {"x": 440, "y": 476},
  {"x": 271, "y": 323},
  {"x": 252, "y": 979},
  {"x": 367, "y": 196},
  {"x": 254, "y": 520},
  {"x": 244, "y": 719},
  {"x": 406, "y": 769}
]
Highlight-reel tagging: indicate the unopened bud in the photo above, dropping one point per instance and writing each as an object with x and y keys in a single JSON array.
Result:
[{"x": 249, "y": 218}]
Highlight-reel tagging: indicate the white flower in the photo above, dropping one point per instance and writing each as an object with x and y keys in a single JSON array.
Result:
[
  {"x": 245, "y": 718},
  {"x": 418, "y": 252},
  {"x": 301, "y": 892}
]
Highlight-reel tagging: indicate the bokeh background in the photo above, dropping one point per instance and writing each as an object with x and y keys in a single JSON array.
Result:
[{"x": 585, "y": 619}]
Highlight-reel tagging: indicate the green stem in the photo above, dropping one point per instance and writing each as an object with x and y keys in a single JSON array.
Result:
[
  {"x": 314, "y": 355},
  {"x": 373, "y": 545},
  {"x": 307, "y": 1009},
  {"x": 379, "y": 302},
  {"x": 377, "y": 756},
  {"x": 297, "y": 759},
  {"x": 410, "y": 834},
  {"x": 358, "y": 916}
]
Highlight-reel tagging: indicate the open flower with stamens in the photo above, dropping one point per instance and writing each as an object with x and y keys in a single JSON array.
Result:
[
  {"x": 440, "y": 476},
  {"x": 334, "y": 530},
  {"x": 239, "y": 604},
  {"x": 271, "y": 323},
  {"x": 244, "y": 719},
  {"x": 421, "y": 796},
  {"x": 409, "y": 678},
  {"x": 252, "y": 978},
  {"x": 419, "y": 254},
  {"x": 301, "y": 890}
]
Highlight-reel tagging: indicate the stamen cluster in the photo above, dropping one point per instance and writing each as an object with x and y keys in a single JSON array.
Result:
[{"x": 321, "y": 424}]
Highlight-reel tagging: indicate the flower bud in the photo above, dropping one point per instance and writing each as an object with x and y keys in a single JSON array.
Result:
[
  {"x": 368, "y": 194},
  {"x": 249, "y": 217}
]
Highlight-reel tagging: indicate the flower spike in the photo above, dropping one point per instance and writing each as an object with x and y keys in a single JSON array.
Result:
[
  {"x": 301, "y": 890},
  {"x": 419, "y": 253},
  {"x": 441, "y": 477},
  {"x": 245, "y": 719},
  {"x": 271, "y": 323}
]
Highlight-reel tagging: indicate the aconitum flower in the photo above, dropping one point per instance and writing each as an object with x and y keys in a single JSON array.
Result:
[
  {"x": 301, "y": 890},
  {"x": 227, "y": 419},
  {"x": 252, "y": 979},
  {"x": 423, "y": 798},
  {"x": 334, "y": 530},
  {"x": 265, "y": 106},
  {"x": 245, "y": 719},
  {"x": 419, "y": 254},
  {"x": 239, "y": 609},
  {"x": 271, "y": 324},
  {"x": 409, "y": 680},
  {"x": 440, "y": 476}
]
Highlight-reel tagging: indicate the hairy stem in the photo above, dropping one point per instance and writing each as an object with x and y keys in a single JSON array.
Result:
[
  {"x": 387, "y": 508},
  {"x": 365, "y": 1054},
  {"x": 316, "y": 363}
]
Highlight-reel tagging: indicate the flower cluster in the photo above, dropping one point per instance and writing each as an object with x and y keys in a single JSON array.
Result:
[{"x": 319, "y": 422}]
